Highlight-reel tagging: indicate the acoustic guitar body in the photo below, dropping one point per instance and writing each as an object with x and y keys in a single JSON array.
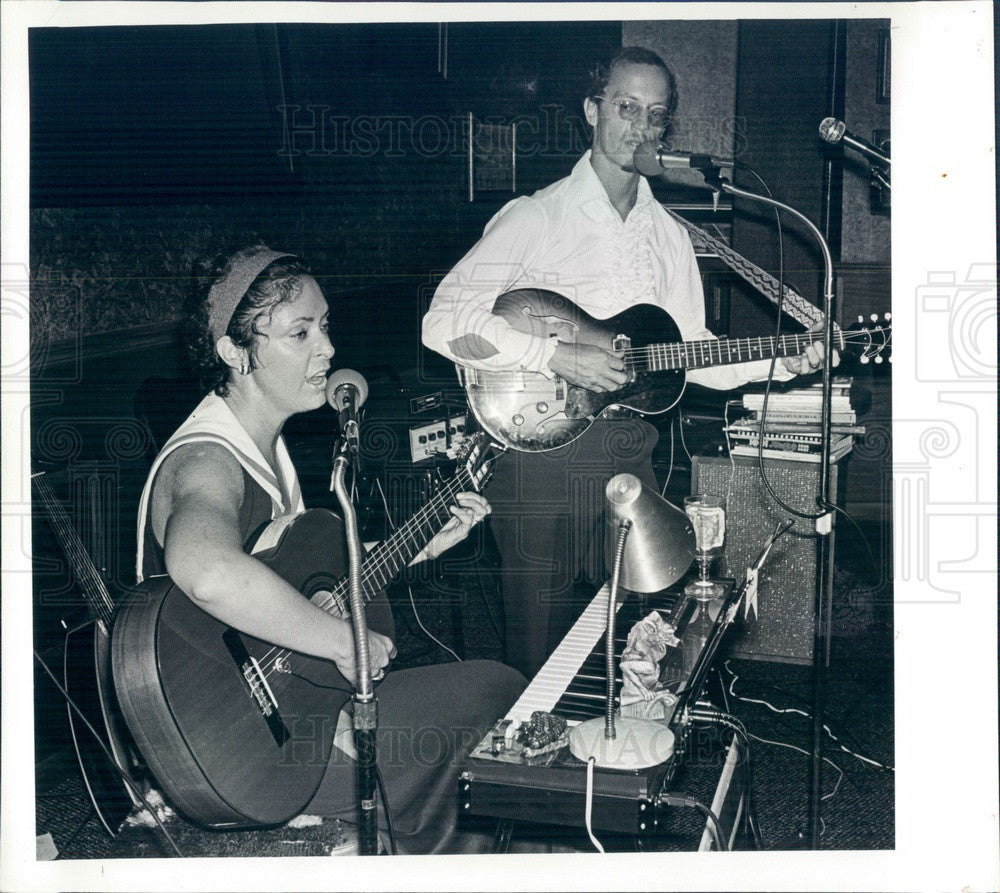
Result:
[{"x": 233, "y": 739}]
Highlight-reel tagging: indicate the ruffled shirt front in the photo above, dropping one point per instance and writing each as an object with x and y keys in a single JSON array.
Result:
[{"x": 569, "y": 238}]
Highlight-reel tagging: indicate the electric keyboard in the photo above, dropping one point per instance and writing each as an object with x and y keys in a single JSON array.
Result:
[
  {"x": 550, "y": 787},
  {"x": 572, "y": 682},
  {"x": 558, "y": 672}
]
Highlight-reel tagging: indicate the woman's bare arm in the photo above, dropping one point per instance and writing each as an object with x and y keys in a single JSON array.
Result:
[{"x": 205, "y": 558}]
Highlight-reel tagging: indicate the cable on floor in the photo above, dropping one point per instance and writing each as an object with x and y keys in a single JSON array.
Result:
[
  {"x": 589, "y": 805},
  {"x": 800, "y": 712}
]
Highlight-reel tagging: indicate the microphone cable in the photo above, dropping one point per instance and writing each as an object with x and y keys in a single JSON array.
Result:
[
  {"x": 385, "y": 809},
  {"x": 97, "y": 737},
  {"x": 774, "y": 360}
]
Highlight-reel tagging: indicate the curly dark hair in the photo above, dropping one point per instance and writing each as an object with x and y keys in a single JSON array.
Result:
[
  {"x": 278, "y": 283},
  {"x": 631, "y": 55}
]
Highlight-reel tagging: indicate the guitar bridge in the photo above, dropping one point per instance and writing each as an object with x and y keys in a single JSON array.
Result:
[
  {"x": 260, "y": 691},
  {"x": 621, "y": 342}
]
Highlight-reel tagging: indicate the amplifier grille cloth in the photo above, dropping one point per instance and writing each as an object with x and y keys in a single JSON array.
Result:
[{"x": 783, "y": 630}]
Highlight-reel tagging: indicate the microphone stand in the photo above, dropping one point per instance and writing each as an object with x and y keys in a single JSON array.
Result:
[
  {"x": 365, "y": 703},
  {"x": 824, "y": 523}
]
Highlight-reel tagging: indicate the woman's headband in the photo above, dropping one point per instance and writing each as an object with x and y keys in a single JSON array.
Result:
[{"x": 230, "y": 289}]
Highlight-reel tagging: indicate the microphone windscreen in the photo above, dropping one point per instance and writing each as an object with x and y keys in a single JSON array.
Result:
[
  {"x": 831, "y": 130},
  {"x": 339, "y": 379},
  {"x": 645, "y": 160}
]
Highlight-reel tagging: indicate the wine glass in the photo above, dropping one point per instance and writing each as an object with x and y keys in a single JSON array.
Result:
[{"x": 707, "y": 515}]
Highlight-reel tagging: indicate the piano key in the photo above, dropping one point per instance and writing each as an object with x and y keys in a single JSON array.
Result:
[{"x": 579, "y": 659}]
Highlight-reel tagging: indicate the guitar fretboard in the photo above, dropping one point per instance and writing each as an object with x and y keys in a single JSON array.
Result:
[
  {"x": 387, "y": 559},
  {"x": 92, "y": 584},
  {"x": 715, "y": 352}
]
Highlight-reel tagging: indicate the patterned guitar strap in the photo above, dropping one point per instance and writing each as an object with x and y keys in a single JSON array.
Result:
[{"x": 793, "y": 303}]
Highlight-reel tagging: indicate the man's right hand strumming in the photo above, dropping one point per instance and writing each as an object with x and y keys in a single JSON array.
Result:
[{"x": 588, "y": 366}]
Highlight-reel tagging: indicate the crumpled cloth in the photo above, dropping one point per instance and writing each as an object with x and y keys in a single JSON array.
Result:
[{"x": 643, "y": 694}]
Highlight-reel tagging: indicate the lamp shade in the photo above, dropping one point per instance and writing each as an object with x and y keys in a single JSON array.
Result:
[{"x": 659, "y": 548}]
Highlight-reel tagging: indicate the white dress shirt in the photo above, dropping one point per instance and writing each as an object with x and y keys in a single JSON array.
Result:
[{"x": 569, "y": 238}]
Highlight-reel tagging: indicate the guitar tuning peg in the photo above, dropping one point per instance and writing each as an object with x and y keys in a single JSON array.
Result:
[
  {"x": 888, "y": 316},
  {"x": 874, "y": 317},
  {"x": 878, "y": 360},
  {"x": 861, "y": 318},
  {"x": 863, "y": 359}
]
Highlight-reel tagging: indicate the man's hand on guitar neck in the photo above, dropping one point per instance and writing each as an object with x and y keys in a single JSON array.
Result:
[
  {"x": 811, "y": 358},
  {"x": 588, "y": 366}
]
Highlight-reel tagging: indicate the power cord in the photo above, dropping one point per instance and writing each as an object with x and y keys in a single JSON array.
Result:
[
  {"x": 704, "y": 712},
  {"x": 714, "y": 823},
  {"x": 588, "y": 805},
  {"x": 409, "y": 588},
  {"x": 670, "y": 469},
  {"x": 876, "y": 567}
]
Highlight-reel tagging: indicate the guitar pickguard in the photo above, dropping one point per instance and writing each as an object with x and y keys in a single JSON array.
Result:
[{"x": 532, "y": 412}]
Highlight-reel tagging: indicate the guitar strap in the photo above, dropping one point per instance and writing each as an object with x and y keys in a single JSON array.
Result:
[
  {"x": 213, "y": 420},
  {"x": 791, "y": 301}
]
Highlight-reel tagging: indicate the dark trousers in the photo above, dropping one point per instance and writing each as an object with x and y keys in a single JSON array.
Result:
[
  {"x": 429, "y": 719},
  {"x": 548, "y": 522}
]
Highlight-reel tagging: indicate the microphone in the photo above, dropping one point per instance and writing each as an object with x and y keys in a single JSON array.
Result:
[
  {"x": 346, "y": 391},
  {"x": 652, "y": 158},
  {"x": 833, "y": 131}
]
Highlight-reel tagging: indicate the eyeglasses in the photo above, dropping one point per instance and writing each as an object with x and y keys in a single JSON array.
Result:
[{"x": 630, "y": 110}]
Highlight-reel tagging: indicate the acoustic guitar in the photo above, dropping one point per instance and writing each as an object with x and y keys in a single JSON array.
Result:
[
  {"x": 531, "y": 412},
  {"x": 237, "y": 731}
]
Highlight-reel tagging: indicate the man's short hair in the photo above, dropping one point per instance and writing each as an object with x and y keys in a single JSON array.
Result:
[{"x": 631, "y": 55}]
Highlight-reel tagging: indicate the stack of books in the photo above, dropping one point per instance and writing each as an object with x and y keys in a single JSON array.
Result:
[{"x": 791, "y": 427}]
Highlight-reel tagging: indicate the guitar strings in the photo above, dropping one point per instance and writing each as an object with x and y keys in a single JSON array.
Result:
[
  {"x": 377, "y": 562},
  {"x": 392, "y": 560},
  {"x": 679, "y": 355},
  {"x": 76, "y": 552}
]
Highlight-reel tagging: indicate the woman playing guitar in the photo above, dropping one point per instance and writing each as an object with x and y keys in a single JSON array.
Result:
[{"x": 263, "y": 341}]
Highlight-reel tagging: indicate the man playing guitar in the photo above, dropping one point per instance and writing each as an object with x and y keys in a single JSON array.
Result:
[{"x": 599, "y": 239}]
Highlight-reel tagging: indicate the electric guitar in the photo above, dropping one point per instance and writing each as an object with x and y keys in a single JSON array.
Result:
[
  {"x": 531, "y": 412},
  {"x": 237, "y": 731}
]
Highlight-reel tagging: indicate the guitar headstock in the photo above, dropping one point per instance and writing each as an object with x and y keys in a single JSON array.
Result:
[
  {"x": 478, "y": 456},
  {"x": 870, "y": 339}
]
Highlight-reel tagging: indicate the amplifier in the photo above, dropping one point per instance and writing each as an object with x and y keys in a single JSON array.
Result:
[
  {"x": 784, "y": 627},
  {"x": 431, "y": 441}
]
